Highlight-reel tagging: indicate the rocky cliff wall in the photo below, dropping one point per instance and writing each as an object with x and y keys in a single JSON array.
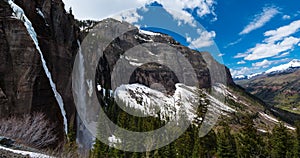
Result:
[{"x": 24, "y": 87}]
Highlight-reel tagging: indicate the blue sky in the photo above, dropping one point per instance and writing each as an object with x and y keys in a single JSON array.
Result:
[{"x": 247, "y": 36}]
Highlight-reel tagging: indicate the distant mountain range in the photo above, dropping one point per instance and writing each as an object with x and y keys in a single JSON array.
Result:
[
  {"x": 289, "y": 67},
  {"x": 295, "y": 63},
  {"x": 278, "y": 87}
]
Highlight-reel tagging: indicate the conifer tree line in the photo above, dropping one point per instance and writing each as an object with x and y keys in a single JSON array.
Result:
[{"x": 221, "y": 142}]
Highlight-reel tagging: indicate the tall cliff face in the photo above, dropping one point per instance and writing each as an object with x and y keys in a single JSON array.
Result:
[
  {"x": 24, "y": 86},
  {"x": 120, "y": 43},
  {"x": 207, "y": 70}
]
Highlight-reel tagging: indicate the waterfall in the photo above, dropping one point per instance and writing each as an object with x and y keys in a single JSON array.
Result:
[
  {"x": 19, "y": 13},
  {"x": 84, "y": 138}
]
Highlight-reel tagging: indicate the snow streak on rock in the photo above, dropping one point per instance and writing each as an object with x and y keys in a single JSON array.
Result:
[
  {"x": 40, "y": 13},
  {"x": 113, "y": 140}
]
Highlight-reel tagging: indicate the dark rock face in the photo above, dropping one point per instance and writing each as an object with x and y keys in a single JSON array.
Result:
[
  {"x": 24, "y": 87},
  {"x": 20, "y": 64},
  {"x": 155, "y": 76},
  {"x": 153, "y": 73}
]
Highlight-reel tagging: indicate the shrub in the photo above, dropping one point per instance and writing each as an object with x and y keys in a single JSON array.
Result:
[{"x": 32, "y": 130}]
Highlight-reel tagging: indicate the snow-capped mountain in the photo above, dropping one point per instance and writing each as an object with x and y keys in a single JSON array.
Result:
[
  {"x": 295, "y": 63},
  {"x": 244, "y": 77},
  {"x": 254, "y": 75},
  {"x": 240, "y": 77}
]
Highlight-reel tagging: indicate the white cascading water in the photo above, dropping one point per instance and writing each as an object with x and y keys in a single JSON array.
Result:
[
  {"x": 83, "y": 137},
  {"x": 19, "y": 13}
]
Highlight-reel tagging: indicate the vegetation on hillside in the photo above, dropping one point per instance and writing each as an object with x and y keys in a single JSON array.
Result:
[
  {"x": 224, "y": 141},
  {"x": 279, "y": 90}
]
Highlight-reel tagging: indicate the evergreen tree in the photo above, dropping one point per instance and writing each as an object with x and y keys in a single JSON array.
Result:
[
  {"x": 249, "y": 142},
  {"x": 282, "y": 142},
  {"x": 184, "y": 144},
  {"x": 206, "y": 146},
  {"x": 298, "y": 138},
  {"x": 226, "y": 143}
]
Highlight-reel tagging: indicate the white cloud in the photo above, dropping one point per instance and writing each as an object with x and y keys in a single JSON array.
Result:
[
  {"x": 220, "y": 55},
  {"x": 296, "y": 14},
  {"x": 90, "y": 9},
  {"x": 188, "y": 38},
  {"x": 276, "y": 42},
  {"x": 130, "y": 16},
  {"x": 241, "y": 55},
  {"x": 286, "y": 17},
  {"x": 266, "y": 63},
  {"x": 260, "y": 20},
  {"x": 182, "y": 16},
  {"x": 177, "y": 9},
  {"x": 241, "y": 62},
  {"x": 282, "y": 32},
  {"x": 207, "y": 7},
  {"x": 242, "y": 71},
  {"x": 100, "y": 9},
  {"x": 233, "y": 43},
  {"x": 205, "y": 39},
  {"x": 283, "y": 55},
  {"x": 266, "y": 50},
  {"x": 256, "y": 67}
]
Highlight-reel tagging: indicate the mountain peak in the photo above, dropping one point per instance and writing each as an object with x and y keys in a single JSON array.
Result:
[
  {"x": 295, "y": 63},
  {"x": 292, "y": 64}
]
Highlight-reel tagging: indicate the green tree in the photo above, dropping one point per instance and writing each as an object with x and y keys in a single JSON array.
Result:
[
  {"x": 206, "y": 146},
  {"x": 298, "y": 138},
  {"x": 249, "y": 142},
  {"x": 282, "y": 142},
  {"x": 184, "y": 144},
  {"x": 226, "y": 143}
]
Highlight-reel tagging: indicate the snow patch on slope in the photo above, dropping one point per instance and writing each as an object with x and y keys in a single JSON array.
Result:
[
  {"x": 19, "y": 14},
  {"x": 149, "y": 33},
  {"x": 272, "y": 119},
  {"x": 142, "y": 38},
  {"x": 113, "y": 140},
  {"x": 149, "y": 102},
  {"x": 31, "y": 154},
  {"x": 223, "y": 90}
]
